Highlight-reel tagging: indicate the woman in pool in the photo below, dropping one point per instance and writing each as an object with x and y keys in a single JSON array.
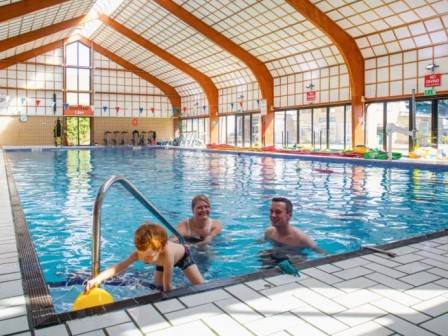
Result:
[{"x": 200, "y": 228}]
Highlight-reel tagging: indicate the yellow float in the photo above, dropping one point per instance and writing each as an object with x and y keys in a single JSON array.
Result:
[{"x": 92, "y": 298}]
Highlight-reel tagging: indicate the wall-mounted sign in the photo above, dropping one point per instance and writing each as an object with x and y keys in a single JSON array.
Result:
[
  {"x": 429, "y": 92},
  {"x": 433, "y": 80},
  {"x": 79, "y": 111},
  {"x": 310, "y": 95}
]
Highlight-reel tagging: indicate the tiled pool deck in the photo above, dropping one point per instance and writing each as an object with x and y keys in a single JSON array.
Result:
[{"x": 371, "y": 294}]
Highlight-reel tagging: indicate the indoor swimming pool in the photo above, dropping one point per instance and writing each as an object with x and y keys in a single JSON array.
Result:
[{"x": 342, "y": 206}]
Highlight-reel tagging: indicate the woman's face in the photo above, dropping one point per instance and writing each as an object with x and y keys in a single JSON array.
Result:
[{"x": 201, "y": 210}]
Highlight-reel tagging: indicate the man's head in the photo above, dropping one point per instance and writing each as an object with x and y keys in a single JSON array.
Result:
[{"x": 280, "y": 212}]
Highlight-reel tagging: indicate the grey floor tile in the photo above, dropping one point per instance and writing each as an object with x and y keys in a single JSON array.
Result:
[
  {"x": 14, "y": 325},
  {"x": 439, "y": 325}
]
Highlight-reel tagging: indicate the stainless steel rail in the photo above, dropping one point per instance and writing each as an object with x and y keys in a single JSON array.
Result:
[{"x": 96, "y": 253}]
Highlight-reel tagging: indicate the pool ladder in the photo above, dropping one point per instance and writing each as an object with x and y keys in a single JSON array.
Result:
[{"x": 96, "y": 253}]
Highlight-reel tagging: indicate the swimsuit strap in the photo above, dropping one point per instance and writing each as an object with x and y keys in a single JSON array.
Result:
[{"x": 189, "y": 227}]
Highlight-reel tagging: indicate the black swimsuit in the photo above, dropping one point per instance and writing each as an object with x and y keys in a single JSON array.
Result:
[{"x": 183, "y": 263}]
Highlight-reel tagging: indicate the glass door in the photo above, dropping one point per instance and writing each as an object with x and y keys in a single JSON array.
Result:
[
  {"x": 320, "y": 128},
  {"x": 423, "y": 123},
  {"x": 246, "y": 142},
  {"x": 375, "y": 126},
  {"x": 239, "y": 130},
  {"x": 279, "y": 130},
  {"x": 78, "y": 131},
  {"x": 336, "y": 127},
  {"x": 398, "y": 114},
  {"x": 442, "y": 123},
  {"x": 305, "y": 123},
  {"x": 291, "y": 128}
]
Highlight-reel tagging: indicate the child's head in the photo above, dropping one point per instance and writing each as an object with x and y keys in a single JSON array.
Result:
[{"x": 150, "y": 236}]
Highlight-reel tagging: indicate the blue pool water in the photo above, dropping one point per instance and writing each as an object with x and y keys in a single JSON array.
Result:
[{"x": 342, "y": 206}]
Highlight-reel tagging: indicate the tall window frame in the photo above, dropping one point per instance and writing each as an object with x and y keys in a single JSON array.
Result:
[{"x": 78, "y": 74}]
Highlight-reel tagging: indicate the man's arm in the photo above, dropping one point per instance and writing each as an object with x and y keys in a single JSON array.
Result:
[{"x": 308, "y": 242}]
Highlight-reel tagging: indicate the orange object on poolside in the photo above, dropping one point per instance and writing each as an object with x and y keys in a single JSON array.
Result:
[
  {"x": 360, "y": 149},
  {"x": 414, "y": 155}
]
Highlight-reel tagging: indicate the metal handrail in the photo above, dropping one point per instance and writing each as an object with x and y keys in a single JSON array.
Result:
[{"x": 97, "y": 216}]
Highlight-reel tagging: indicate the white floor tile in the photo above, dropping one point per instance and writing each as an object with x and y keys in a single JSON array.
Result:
[
  {"x": 357, "y": 298},
  {"x": 439, "y": 325},
  {"x": 360, "y": 315},
  {"x": 269, "y": 325},
  {"x": 401, "y": 326},
  {"x": 240, "y": 311},
  {"x": 169, "y": 306},
  {"x": 147, "y": 318},
  {"x": 192, "y": 314},
  {"x": 205, "y": 297},
  {"x": 9, "y": 312},
  {"x": 59, "y": 330},
  {"x": 420, "y": 278},
  {"x": 400, "y": 310},
  {"x": 97, "y": 322},
  {"x": 321, "y": 275},
  {"x": 353, "y": 272},
  {"x": 321, "y": 321},
  {"x": 355, "y": 284},
  {"x": 433, "y": 307},
  {"x": 224, "y": 325},
  {"x": 126, "y": 329},
  {"x": 13, "y": 325},
  {"x": 196, "y": 328},
  {"x": 414, "y": 267},
  {"x": 426, "y": 292},
  {"x": 366, "y": 329}
]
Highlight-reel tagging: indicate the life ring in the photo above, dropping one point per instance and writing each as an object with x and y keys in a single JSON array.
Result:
[{"x": 134, "y": 121}]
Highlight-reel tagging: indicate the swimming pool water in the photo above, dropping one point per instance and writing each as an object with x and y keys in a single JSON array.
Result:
[{"x": 340, "y": 205}]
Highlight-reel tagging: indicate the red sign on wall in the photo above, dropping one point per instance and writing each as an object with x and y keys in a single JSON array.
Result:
[
  {"x": 310, "y": 95},
  {"x": 79, "y": 111},
  {"x": 433, "y": 80}
]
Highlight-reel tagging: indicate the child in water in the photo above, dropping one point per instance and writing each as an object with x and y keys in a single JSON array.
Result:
[{"x": 153, "y": 247}]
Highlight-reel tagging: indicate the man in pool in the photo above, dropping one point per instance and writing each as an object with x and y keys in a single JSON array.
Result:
[{"x": 282, "y": 232}]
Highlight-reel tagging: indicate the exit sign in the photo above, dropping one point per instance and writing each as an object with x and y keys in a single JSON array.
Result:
[
  {"x": 310, "y": 95},
  {"x": 429, "y": 92},
  {"x": 433, "y": 80}
]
